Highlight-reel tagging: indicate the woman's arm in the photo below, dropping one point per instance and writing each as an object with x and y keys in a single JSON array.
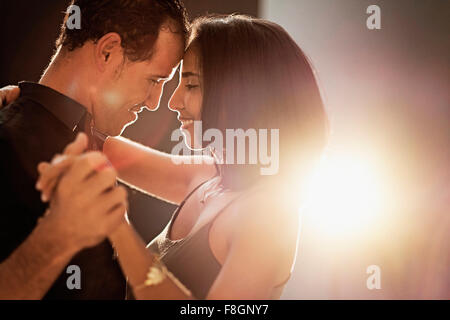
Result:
[
  {"x": 144, "y": 168},
  {"x": 154, "y": 172},
  {"x": 135, "y": 260}
]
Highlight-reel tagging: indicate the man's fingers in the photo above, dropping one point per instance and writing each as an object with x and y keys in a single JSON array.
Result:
[
  {"x": 112, "y": 206},
  {"x": 78, "y": 146},
  {"x": 110, "y": 200},
  {"x": 101, "y": 182},
  {"x": 116, "y": 217}
]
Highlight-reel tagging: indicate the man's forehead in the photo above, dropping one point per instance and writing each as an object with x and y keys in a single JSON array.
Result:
[
  {"x": 160, "y": 74},
  {"x": 167, "y": 53},
  {"x": 168, "y": 40}
]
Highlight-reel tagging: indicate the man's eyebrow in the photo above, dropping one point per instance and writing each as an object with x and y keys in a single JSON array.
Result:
[
  {"x": 162, "y": 77},
  {"x": 189, "y": 74}
]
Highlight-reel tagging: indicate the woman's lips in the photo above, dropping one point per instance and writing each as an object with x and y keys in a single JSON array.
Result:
[{"x": 185, "y": 122}]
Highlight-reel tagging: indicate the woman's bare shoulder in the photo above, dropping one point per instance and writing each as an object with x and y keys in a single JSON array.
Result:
[
  {"x": 263, "y": 226},
  {"x": 266, "y": 214}
]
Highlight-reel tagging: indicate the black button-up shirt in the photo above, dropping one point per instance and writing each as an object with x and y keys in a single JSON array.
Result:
[{"x": 39, "y": 124}]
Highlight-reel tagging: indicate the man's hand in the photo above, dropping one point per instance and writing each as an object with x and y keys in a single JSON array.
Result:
[
  {"x": 8, "y": 94},
  {"x": 87, "y": 205},
  {"x": 84, "y": 187}
]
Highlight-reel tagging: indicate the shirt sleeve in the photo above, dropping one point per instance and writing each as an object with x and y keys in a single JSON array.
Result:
[{"x": 16, "y": 220}]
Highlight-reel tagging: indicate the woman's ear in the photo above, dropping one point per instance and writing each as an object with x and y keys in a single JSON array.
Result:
[{"x": 108, "y": 51}]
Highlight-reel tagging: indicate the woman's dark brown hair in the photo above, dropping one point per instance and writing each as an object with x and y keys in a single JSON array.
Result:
[{"x": 254, "y": 75}]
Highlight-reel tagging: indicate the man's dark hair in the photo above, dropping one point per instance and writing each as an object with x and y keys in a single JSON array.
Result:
[{"x": 138, "y": 23}]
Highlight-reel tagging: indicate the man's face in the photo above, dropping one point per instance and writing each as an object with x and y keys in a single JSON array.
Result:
[{"x": 128, "y": 87}]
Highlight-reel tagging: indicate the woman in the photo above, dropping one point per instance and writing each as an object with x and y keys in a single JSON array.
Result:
[{"x": 235, "y": 232}]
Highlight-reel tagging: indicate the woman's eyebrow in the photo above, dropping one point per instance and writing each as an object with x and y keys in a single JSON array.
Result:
[{"x": 189, "y": 74}]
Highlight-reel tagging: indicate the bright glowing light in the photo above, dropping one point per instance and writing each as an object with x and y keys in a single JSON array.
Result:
[
  {"x": 345, "y": 195},
  {"x": 112, "y": 99}
]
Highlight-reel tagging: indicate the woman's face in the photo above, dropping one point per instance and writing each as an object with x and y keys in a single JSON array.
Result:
[{"x": 188, "y": 96}]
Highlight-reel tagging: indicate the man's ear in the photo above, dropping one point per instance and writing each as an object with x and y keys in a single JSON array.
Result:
[{"x": 108, "y": 51}]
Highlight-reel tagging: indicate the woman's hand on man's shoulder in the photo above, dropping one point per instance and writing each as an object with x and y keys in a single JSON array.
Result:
[{"x": 8, "y": 94}]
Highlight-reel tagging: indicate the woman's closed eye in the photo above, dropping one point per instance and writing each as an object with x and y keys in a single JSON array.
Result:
[{"x": 192, "y": 86}]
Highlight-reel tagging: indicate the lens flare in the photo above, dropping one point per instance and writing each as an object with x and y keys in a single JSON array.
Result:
[{"x": 345, "y": 195}]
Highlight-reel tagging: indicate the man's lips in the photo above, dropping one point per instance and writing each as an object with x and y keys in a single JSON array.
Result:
[{"x": 137, "y": 108}]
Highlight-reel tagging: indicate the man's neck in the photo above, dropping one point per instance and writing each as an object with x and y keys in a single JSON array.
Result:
[{"x": 65, "y": 76}]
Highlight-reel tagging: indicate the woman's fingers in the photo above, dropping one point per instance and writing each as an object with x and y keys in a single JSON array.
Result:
[
  {"x": 78, "y": 146},
  {"x": 43, "y": 166},
  {"x": 86, "y": 165},
  {"x": 12, "y": 94},
  {"x": 8, "y": 94},
  {"x": 78, "y": 168},
  {"x": 50, "y": 175}
]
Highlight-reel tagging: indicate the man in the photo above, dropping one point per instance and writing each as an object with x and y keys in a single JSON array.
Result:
[{"x": 100, "y": 78}]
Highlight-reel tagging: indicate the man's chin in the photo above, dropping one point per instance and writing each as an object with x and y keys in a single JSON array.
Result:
[
  {"x": 120, "y": 130},
  {"x": 113, "y": 131}
]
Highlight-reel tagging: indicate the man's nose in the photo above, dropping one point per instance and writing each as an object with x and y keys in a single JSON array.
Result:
[{"x": 153, "y": 99}]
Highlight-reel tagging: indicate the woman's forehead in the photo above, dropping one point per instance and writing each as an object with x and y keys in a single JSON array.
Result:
[{"x": 190, "y": 60}]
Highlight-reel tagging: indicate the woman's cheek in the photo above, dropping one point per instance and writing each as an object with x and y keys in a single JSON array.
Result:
[{"x": 194, "y": 101}]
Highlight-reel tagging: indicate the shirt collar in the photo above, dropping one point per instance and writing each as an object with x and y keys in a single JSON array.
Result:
[{"x": 65, "y": 109}]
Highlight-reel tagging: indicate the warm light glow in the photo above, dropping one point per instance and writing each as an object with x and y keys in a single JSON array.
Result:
[
  {"x": 112, "y": 99},
  {"x": 346, "y": 195}
]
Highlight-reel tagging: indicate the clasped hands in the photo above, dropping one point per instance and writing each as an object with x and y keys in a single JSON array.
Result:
[{"x": 85, "y": 203}]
